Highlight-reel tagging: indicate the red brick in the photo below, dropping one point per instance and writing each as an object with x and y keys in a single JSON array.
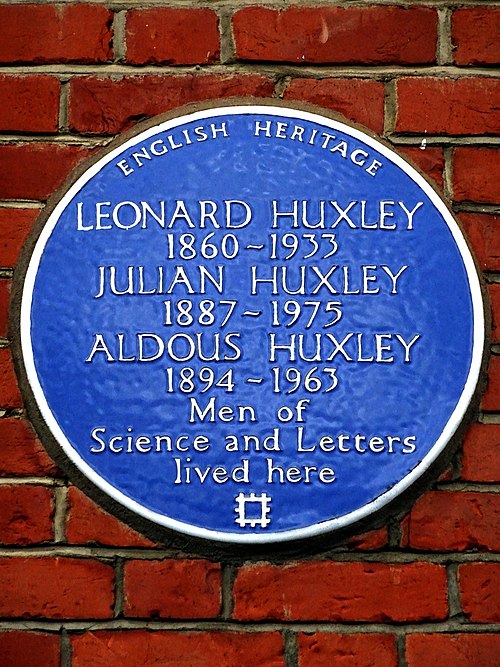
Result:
[
  {"x": 104, "y": 106},
  {"x": 430, "y": 160},
  {"x": 10, "y": 397},
  {"x": 443, "y": 650},
  {"x": 87, "y": 523},
  {"x": 481, "y": 453},
  {"x": 329, "y": 591},
  {"x": 29, "y": 103},
  {"x": 56, "y": 588},
  {"x": 26, "y": 514},
  {"x": 475, "y": 174},
  {"x": 491, "y": 397},
  {"x": 469, "y": 105},
  {"x": 29, "y": 649},
  {"x": 372, "y": 35},
  {"x": 35, "y": 171},
  {"x": 366, "y": 650},
  {"x": 479, "y": 588},
  {"x": 375, "y": 539},
  {"x": 20, "y": 451},
  {"x": 15, "y": 224},
  {"x": 359, "y": 100},
  {"x": 5, "y": 287},
  {"x": 172, "y": 589},
  {"x": 47, "y": 33},
  {"x": 139, "y": 648},
  {"x": 474, "y": 35},
  {"x": 455, "y": 521},
  {"x": 172, "y": 35},
  {"x": 494, "y": 294},
  {"x": 483, "y": 233}
]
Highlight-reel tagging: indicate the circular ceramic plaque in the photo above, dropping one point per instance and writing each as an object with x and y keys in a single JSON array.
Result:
[{"x": 251, "y": 323}]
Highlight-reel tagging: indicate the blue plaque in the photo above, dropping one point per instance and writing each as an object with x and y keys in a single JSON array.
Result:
[{"x": 251, "y": 323}]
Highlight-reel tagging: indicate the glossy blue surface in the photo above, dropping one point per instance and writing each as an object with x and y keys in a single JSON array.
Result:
[{"x": 386, "y": 401}]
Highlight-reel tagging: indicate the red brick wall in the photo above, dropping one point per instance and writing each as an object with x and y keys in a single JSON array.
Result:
[{"x": 80, "y": 589}]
